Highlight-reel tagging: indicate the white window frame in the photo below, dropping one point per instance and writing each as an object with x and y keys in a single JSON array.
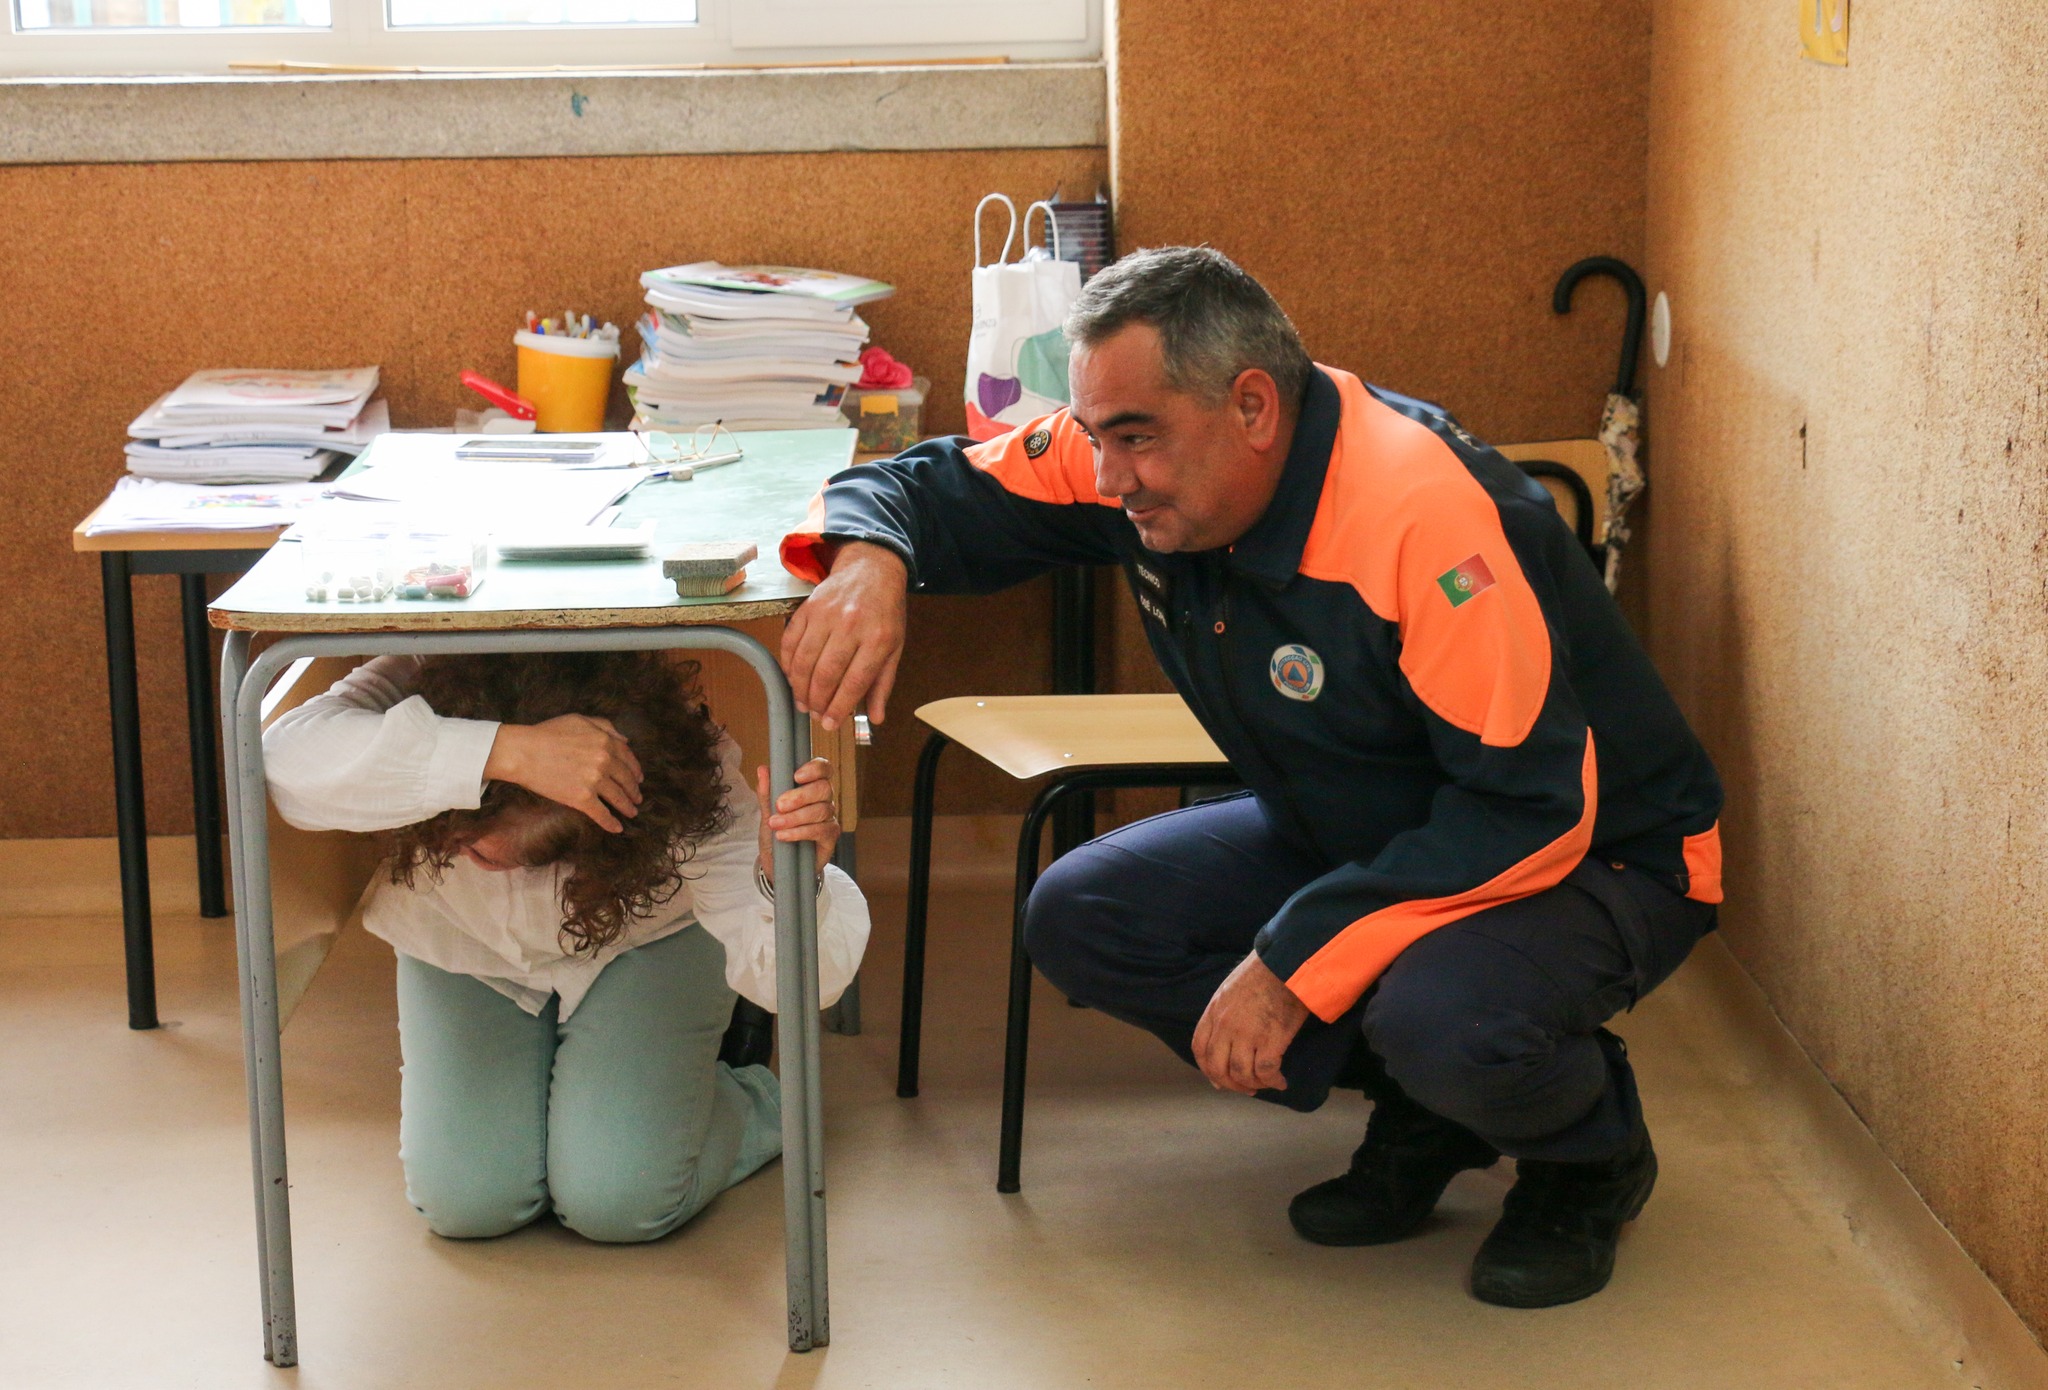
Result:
[{"x": 727, "y": 33}]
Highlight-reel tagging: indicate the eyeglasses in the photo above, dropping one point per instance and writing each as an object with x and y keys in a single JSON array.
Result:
[{"x": 707, "y": 446}]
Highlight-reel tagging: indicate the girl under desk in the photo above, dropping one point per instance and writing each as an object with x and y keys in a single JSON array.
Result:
[{"x": 578, "y": 886}]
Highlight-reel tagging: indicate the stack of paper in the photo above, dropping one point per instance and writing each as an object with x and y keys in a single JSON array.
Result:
[
  {"x": 144, "y": 504},
  {"x": 240, "y": 426},
  {"x": 421, "y": 481},
  {"x": 760, "y": 347}
]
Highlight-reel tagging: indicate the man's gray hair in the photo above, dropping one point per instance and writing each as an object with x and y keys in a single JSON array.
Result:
[{"x": 1214, "y": 320}]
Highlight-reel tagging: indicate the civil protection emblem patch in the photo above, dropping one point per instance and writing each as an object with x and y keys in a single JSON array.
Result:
[
  {"x": 1297, "y": 671},
  {"x": 1037, "y": 442}
]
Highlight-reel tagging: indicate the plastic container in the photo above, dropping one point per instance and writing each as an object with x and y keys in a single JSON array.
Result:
[
  {"x": 347, "y": 568},
  {"x": 383, "y": 566},
  {"x": 440, "y": 564},
  {"x": 890, "y": 419},
  {"x": 567, "y": 379}
]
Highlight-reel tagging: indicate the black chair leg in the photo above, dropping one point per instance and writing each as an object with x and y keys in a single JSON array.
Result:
[
  {"x": 1017, "y": 1040},
  {"x": 843, "y": 1017},
  {"x": 1017, "y": 1032},
  {"x": 917, "y": 911},
  {"x": 1073, "y": 647}
]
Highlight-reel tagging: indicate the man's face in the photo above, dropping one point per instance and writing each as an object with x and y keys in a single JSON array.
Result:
[{"x": 1191, "y": 474}]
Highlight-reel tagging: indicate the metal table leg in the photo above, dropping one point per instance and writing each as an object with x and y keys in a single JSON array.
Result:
[
  {"x": 202, "y": 728},
  {"x": 262, "y": 1060},
  {"x": 130, "y": 822},
  {"x": 797, "y": 1024},
  {"x": 243, "y": 683}
]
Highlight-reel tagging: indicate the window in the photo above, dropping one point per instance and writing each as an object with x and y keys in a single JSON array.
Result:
[
  {"x": 222, "y": 36},
  {"x": 44, "y": 16},
  {"x": 423, "y": 13}
]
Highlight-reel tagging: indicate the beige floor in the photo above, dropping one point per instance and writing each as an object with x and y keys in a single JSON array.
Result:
[{"x": 1150, "y": 1247}]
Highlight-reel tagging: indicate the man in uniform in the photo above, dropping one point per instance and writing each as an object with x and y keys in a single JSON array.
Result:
[{"x": 1477, "y": 825}]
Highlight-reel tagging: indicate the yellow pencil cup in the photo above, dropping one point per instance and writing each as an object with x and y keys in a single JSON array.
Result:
[{"x": 567, "y": 379}]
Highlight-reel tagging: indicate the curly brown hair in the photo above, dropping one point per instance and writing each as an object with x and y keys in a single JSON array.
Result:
[{"x": 654, "y": 701}]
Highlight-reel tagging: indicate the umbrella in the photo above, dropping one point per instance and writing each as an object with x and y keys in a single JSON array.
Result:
[{"x": 1621, "y": 421}]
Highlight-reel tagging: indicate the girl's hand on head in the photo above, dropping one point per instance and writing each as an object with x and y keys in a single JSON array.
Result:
[
  {"x": 576, "y": 759},
  {"x": 804, "y": 812}
]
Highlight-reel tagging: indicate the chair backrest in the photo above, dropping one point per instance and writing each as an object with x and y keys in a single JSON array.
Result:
[{"x": 1574, "y": 471}]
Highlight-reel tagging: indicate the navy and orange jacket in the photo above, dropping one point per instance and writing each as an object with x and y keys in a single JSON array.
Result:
[{"x": 1408, "y": 659}]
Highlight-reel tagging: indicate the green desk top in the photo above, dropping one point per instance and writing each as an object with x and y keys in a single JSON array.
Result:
[{"x": 761, "y": 498}]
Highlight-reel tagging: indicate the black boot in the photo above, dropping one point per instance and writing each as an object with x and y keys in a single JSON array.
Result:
[
  {"x": 1407, "y": 1160},
  {"x": 750, "y": 1037},
  {"x": 1559, "y": 1225}
]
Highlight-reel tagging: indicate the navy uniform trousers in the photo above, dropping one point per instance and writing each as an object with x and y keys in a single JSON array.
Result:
[{"x": 1493, "y": 1022}]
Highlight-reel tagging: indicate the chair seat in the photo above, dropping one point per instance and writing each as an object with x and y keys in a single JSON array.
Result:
[
  {"x": 1585, "y": 457},
  {"x": 1031, "y": 735}
]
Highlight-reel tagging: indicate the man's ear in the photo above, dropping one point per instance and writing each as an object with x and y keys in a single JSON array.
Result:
[{"x": 1257, "y": 398}]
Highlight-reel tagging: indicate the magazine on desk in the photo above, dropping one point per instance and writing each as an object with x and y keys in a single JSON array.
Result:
[
  {"x": 148, "y": 504},
  {"x": 248, "y": 388},
  {"x": 765, "y": 289}
]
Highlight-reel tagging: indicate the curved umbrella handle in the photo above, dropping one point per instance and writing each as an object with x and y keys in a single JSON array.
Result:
[{"x": 1631, "y": 284}]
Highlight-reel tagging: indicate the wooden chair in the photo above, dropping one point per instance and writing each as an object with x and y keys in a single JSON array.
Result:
[
  {"x": 1086, "y": 743},
  {"x": 1575, "y": 473}
]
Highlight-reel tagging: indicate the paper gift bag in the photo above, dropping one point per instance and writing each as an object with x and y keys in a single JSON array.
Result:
[{"x": 1017, "y": 353}]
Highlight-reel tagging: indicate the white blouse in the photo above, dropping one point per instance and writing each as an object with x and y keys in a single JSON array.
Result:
[{"x": 370, "y": 755}]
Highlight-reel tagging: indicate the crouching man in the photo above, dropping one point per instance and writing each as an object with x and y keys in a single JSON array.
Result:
[{"x": 1477, "y": 824}]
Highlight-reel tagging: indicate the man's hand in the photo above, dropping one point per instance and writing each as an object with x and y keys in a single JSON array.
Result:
[
  {"x": 845, "y": 641},
  {"x": 1245, "y": 1031},
  {"x": 575, "y": 759},
  {"x": 804, "y": 812}
]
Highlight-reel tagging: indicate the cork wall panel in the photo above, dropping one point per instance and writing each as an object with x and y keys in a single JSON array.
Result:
[
  {"x": 1850, "y": 465},
  {"x": 138, "y": 274},
  {"x": 1408, "y": 184}
]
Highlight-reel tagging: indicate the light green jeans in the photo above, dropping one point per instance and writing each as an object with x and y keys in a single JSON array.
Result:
[{"x": 621, "y": 1119}]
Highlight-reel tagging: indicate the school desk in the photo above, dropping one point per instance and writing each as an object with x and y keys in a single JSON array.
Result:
[
  {"x": 595, "y": 606},
  {"x": 192, "y": 555}
]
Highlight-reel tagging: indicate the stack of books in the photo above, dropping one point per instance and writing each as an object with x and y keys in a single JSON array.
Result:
[
  {"x": 244, "y": 426},
  {"x": 759, "y": 347}
]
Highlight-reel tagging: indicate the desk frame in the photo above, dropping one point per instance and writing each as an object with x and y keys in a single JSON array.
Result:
[
  {"x": 191, "y": 555},
  {"x": 243, "y": 683}
]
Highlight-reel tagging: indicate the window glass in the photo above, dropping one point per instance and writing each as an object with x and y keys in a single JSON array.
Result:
[
  {"x": 513, "y": 13},
  {"x": 174, "y": 14}
]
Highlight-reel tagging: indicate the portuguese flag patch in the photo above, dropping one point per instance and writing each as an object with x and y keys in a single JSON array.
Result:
[{"x": 1465, "y": 580}]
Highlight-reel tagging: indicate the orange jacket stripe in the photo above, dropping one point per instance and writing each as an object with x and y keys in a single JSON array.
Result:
[
  {"x": 1048, "y": 460},
  {"x": 1061, "y": 471},
  {"x": 1703, "y": 865},
  {"x": 805, "y": 552},
  {"x": 1331, "y": 980},
  {"x": 1400, "y": 514}
]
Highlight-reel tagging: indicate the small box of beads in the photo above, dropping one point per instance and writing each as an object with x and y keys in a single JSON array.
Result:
[
  {"x": 347, "y": 567},
  {"x": 439, "y": 564},
  {"x": 392, "y": 566}
]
